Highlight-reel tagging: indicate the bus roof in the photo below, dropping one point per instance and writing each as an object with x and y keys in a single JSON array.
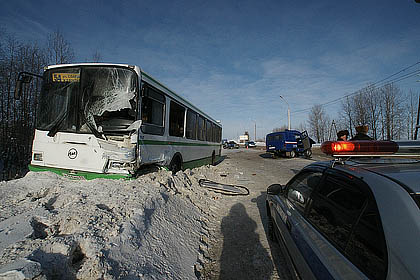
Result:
[
  {"x": 144, "y": 76},
  {"x": 88, "y": 64},
  {"x": 159, "y": 85}
]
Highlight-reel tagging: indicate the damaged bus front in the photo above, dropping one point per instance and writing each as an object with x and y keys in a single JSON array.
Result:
[{"x": 86, "y": 120}]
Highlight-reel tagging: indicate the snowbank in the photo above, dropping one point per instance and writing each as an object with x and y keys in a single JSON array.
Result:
[{"x": 155, "y": 227}]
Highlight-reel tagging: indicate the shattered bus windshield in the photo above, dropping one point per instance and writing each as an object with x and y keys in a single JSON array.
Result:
[
  {"x": 88, "y": 100},
  {"x": 58, "y": 89}
]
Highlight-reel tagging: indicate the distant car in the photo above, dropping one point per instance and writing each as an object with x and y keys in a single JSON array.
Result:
[
  {"x": 224, "y": 142},
  {"x": 353, "y": 218},
  {"x": 250, "y": 144},
  {"x": 231, "y": 145}
]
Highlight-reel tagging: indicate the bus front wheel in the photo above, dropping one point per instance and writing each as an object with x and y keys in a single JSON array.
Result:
[{"x": 176, "y": 164}]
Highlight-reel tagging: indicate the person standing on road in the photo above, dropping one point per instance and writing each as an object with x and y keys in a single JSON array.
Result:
[
  {"x": 361, "y": 133},
  {"x": 342, "y": 135}
]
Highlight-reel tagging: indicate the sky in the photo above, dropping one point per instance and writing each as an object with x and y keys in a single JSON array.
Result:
[{"x": 234, "y": 59}]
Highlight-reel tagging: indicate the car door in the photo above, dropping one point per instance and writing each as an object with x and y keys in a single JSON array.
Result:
[
  {"x": 343, "y": 235},
  {"x": 288, "y": 213}
]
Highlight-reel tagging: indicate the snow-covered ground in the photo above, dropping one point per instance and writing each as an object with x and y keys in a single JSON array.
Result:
[{"x": 155, "y": 227}]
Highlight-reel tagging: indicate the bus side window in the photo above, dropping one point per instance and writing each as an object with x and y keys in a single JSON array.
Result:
[
  {"x": 201, "y": 129},
  {"x": 208, "y": 131},
  {"x": 215, "y": 131},
  {"x": 176, "y": 119},
  {"x": 153, "y": 112},
  {"x": 191, "y": 130}
]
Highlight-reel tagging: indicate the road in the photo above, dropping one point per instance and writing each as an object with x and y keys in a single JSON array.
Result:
[{"x": 241, "y": 249}]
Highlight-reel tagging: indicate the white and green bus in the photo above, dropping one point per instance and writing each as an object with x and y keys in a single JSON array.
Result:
[{"x": 108, "y": 120}]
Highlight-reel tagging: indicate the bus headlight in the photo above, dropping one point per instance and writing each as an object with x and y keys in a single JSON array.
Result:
[
  {"x": 117, "y": 165},
  {"x": 120, "y": 167},
  {"x": 38, "y": 157}
]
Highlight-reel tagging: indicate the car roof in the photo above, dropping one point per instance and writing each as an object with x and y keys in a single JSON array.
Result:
[
  {"x": 405, "y": 172},
  {"x": 285, "y": 131}
]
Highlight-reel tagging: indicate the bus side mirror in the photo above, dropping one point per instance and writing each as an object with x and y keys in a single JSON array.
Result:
[
  {"x": 22, "y": 79},
  {"x": 18, "y": 89}
]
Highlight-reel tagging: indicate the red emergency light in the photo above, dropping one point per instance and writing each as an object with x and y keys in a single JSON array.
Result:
[{"x": 360, "y": 148}]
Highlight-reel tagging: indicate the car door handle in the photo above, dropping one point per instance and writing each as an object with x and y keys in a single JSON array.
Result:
[{"x": 288, "y": 225}]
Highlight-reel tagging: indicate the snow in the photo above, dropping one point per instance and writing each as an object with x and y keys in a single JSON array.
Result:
[{"x": 157, "y": 226}]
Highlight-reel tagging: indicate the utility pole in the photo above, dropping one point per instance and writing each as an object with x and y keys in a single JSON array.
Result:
[
  {"x": 255, "y": 129},
  {"x": 331, "y": 128},
  {"x": 417, "y": 123},
  {"x": 288, "y": 111}
]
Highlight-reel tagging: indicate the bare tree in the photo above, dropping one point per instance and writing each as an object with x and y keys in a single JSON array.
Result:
[
  {"x": 59, "y": 49},
  {"x": 360, "y": 110},
  {"x": 17, "y": 118},
  {"x": 318, "y": 123},
  {"x": 279, "y": 129},
  {"x": 96, "y": 57},
  {"x": 373, "y": 109},
  {"x": 392, "y": 113},
  {"x": 411, "y": 108},
  {"x": 302, "y": 126}
]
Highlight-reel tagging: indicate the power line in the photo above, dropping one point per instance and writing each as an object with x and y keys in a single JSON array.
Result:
[
  {"x": 418, "y": 62},
  {"x": 383, "y": 83}
]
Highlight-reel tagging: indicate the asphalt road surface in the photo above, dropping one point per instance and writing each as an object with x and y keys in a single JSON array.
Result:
[{"x": 242, "y": 249}]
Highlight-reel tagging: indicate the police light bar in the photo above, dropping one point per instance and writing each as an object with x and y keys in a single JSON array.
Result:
[{"x": 371, "y": 148}]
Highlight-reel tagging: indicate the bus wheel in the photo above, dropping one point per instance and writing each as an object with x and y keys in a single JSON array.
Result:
[
  {"x": 292, "y": 154},
  {"x": 176, "y": 164},
  {"x": 213, "y": 159}
]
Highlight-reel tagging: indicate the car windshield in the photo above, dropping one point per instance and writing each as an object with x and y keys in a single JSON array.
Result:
[{"x": 85, "y": 99}]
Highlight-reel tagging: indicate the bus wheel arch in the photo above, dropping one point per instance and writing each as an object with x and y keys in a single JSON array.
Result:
[{"x": 176, "y": 163}]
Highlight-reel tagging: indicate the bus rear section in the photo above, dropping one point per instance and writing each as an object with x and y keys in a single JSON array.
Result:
[{"x": 175, "y": 133}]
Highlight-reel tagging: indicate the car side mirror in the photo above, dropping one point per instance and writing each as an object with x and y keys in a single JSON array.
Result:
[{"x": 275, "y": 189}]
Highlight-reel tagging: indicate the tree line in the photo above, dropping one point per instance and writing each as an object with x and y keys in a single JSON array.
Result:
[
  {"x": 17, "y": 117},
  {"x": 389, "y": 113}
]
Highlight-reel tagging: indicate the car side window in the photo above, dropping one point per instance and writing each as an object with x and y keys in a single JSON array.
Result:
[
  {"x": 345, "y": 212},
  {"x": 335, "y": 208},
  {"x": 366, "y": 247},
  {"x": 299, "y": 190}
]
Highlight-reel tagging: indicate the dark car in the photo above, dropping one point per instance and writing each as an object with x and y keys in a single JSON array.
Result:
[
  {"x": 250, "y": 144},
  {"x": 231, "y": 145},
  {"x": 357, "y": 218}
]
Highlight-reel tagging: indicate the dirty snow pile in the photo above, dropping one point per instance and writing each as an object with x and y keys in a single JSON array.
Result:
[{"x": 155, "y": 227}]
